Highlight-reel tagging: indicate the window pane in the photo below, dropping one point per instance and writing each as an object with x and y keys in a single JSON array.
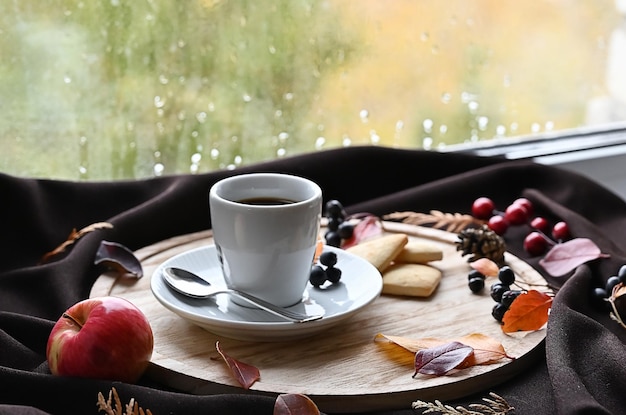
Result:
[{"x": 107, "y": 89}]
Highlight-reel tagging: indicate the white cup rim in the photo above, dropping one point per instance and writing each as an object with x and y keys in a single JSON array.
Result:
[{"x": 313, "y": 189}]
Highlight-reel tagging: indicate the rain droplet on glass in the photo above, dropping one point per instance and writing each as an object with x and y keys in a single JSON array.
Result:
[
  {"x": 281, "y": 152},
  {"x": 482, "y": 123},
  {"x": 424, "y": 36},
  {"x": 238, "y": 160},
  {"x": 427, "y": 143},
  {"x": 549, "y": 126},
  {"x": 427, "y": 124},
  {"x": 467, "y": 97},
  {"x": 158, "y": 169},
  {"x": 319, "y": 143},
  {"x": 443, "y": 129},
  {"x": 163, "y": 79},
  {"x": 374, "y": 137},
  {"x": 214, "y": 153},
  {"x": 201, "y": 117},
  {"x": 288, "y": 96},
  {"x": 399, "y": 126},
  {"x": 67, "y": 79},
  {"x": 535, "y": 127},
  {"x": 364, "y": 115},
  {"x": 347, "y": 141},
  {"x": 272, "y": 49},
  {"x": 246, "y": 98},
  {"x": 473, "y": 106},
  {"x": 283, "y": 136},
  {"x": 159, "y": 102},
  {"x": 446, "y": 97}
]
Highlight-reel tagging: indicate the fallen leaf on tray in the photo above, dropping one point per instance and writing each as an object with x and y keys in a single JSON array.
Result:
[
  {"x": 366, "y": 228},
  {"x": 294, "y": 404},
  {"x": 243, "y": 373},
  {"x": 528, "y": 312},
  {"x": 565, "y": 257},
  {"x": 486, "y": 266},
  {"x": 441, "y": 359},
  {"x": 487, "y": 350},
  {"x": 118, "y": 258}
]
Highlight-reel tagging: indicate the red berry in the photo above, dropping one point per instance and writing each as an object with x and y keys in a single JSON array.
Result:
[
  {"x": 516, "y": 214},
  {"x": 526, "y": 203},
  {"x": 560, "y": 231},
  {"x": 498, "y": 224},
  {"x": 540, "y": 224},
  {"x": 535, "y": 244},
  {"x": 482, "y": 208}
]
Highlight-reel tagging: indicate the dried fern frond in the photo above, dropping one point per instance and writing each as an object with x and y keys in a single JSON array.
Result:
[
  {"x": 451, "y": 222},
  {"x": 113, "y": 405},
  {"x": 496, "y": 405}
]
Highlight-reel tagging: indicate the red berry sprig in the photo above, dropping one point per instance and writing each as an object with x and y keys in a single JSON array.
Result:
[{"x": 518, "y": 213}]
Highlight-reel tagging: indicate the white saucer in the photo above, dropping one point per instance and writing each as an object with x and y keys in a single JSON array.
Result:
[{"x": 360, "y": 285}]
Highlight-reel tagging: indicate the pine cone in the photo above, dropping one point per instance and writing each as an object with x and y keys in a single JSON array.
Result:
[{"x": 482, "y": 243}]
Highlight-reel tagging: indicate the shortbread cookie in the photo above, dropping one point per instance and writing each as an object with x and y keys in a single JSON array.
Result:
[
  {"x": 415, "y": 280},
  {"x": 381, "y": 251},
  {"x": 419, "y": 252}
]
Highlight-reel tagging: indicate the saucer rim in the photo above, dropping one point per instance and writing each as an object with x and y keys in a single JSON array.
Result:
[{"x": 224, "y": 326}]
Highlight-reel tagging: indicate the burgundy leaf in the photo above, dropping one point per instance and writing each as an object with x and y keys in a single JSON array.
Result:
[
  {"x": 117, "y": 257},
  {"x": 440, "y": 360},
  {"x": 244, "y": 373},
  {"x": 565, "y": 257}
]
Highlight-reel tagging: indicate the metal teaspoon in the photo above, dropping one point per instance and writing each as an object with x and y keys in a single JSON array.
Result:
[{"x": 191, "y": 285}]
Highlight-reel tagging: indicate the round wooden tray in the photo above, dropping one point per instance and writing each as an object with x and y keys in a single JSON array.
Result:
[{"x": 342, "y": 369}]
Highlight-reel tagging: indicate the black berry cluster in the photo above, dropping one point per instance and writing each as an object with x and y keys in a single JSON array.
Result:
[
  {"x": 331, "y": 273},
  {"x": 339, "y": 229},
  {"x": 520, "y": 212},
  {"x": 602, "y": 293},
  {"x": 501, "y": 291}
]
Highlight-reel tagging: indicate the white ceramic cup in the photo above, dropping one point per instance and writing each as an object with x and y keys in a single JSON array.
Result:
[{"x": 265, "y": 228}]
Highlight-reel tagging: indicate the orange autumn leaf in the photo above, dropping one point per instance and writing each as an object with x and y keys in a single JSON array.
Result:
[
  {"x": 528, "y": 312},
  {"x": 294, "y": 403},
  {"x": 244, "y": 373},
  {"x": 486, "y": 349},
  {"x": 486, "y": 266}
]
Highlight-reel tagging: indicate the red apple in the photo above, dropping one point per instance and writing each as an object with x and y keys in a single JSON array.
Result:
[{"x": 102, "y": 338}]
